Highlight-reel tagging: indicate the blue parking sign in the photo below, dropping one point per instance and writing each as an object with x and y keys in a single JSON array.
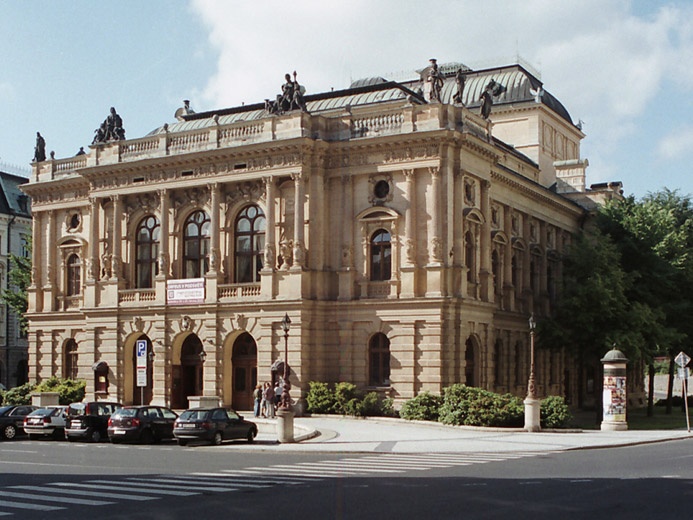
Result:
[{"x": 141, "y": 347}]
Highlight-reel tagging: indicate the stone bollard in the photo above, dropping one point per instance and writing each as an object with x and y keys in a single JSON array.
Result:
[
  {"x": 285, "y": 426},
  {"x": 614, "y": 391}
]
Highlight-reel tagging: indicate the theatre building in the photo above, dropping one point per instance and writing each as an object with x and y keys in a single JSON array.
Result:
[{"x": 406, "y": 236}]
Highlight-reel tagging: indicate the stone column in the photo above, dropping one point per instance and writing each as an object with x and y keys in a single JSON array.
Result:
[
  {"x": 408, "y": 269},
  {"x": 93, "y": 271},
  {"x": 435, "y": 251},
  {"x": 164, "y": 257},
  {"x": 485, "y": 244},
  {"x": 267, "y": 273},
  {"x": 526, "y": 288},
  {"x": 299, "y": 232},
  {"x": 346, "y": 272},
  {"x": 508, "y": 289},
  {"x": 49, "y": 281},
  {"x": 116, "y": 262},
  {"x": 214, "y": 251},
  {"x": 35, "y": 289}
]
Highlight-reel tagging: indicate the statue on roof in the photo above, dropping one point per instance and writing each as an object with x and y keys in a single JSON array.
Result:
[
  {"x": 435, "y": 79},
  {"x": 40, "y": 148},
  {"x": 184, "y": 110},
  {"x": 460, "y": 79},
  {"x": 493, "y": 89},
  {"x": 290, "y": 99},
  {"x": 111, "y": 129}
]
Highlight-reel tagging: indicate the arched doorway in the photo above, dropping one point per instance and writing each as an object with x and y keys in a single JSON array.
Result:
[
  {"x": 470, "y": 371},
  {"x": 187, "y": 376},
  {"x": 244, "y": 362},
  {"x": 143, "y": 394}
]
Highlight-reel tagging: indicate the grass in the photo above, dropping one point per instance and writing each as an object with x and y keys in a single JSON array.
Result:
[{"x": 637, "y": 419}]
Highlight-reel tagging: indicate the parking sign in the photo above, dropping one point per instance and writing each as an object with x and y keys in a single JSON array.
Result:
[{"x": 141, "y": 347}]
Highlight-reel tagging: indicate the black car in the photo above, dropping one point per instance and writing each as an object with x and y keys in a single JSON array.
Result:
[
  {"x": 12, "y": 419},
  {"x": 146, "y": 424},
  {"x": 212, "y": 424},
  {"x": 89, "y": 421}
]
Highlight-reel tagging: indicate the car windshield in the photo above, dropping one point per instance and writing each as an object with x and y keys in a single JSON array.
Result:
[
  {"x": 41, "y": 412},
  {"x": 194, "y": 415},
  {"x": 125, "y": 412}
]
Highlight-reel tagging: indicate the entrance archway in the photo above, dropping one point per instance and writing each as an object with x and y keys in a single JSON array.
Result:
[
  {"x": 244, "y": 362},
  {"x": 187, "y": 375}
]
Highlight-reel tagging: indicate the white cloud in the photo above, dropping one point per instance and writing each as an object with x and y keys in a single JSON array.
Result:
[{"x": 676, "y": 144}]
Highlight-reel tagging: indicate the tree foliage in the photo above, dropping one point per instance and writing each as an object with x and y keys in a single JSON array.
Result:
[{"x": 15, "y": 297}]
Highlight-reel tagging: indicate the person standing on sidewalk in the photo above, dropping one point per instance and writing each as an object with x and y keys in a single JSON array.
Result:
[
  {"x": 257, "y": 400},
  {"x": 268, "y": 395}
]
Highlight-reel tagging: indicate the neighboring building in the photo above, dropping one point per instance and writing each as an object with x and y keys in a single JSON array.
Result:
[
  {"x": 15, "y": 232},
  {"x": 407, "y": 240}
]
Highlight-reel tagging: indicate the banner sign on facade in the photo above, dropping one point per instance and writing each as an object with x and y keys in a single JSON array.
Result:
[{"x": 185, "y": 292}]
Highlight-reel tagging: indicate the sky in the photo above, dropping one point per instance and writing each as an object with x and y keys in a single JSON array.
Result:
[{"x": 623, "y": 67}]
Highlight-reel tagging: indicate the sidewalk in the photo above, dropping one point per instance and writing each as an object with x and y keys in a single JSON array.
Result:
[{"x": 381, "y": 435}]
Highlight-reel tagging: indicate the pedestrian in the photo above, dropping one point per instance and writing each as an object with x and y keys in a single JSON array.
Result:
[
  {"x": 278, "y": 392},
  {"x": 263, "y": 400},
  {"x": 268, "y": 394},
  {"x": 257, "y": 400}
]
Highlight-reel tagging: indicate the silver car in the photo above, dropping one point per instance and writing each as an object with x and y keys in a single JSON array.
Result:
[{"x": 48, "y": 421}]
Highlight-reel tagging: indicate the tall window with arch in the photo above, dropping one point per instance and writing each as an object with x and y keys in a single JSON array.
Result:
[
  {"x": 196, "y": 245},
  {"x": 379, "y": 360},
  {"x": 70, "y": 360},
  {"x": 381, "y": 256},
  {"x": 147, "y": 251},
  {"x": 250, "y": 244},
  {"x": 74, "y": 275}
]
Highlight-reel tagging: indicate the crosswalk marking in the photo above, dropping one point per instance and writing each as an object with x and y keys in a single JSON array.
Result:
[
  {"x": 96, "y": 492},
  {"x": 24, "y": 505},
  {"x": 63, "y": 500}
]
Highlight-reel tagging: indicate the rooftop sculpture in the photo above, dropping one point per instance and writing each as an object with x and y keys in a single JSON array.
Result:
[
  {"x": 290, "y": 99},
  {"x": 110, "y": 130}
]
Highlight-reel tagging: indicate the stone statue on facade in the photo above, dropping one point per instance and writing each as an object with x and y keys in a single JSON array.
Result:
[
  {"x": 40, "y": 148},
  {"x": 290, "y": 99},
  {"x": 435, "y": 80},
  {"x": 493, "y": 89},
  {"x": 459, "y": 80},
  {"x": 110, "y": 130}
]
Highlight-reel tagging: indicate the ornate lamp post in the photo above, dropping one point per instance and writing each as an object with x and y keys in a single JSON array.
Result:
[
  {"x": 286, "y": 398},
  {"x": 532, "y": 404},
  {"x": 285, "y": 415}
]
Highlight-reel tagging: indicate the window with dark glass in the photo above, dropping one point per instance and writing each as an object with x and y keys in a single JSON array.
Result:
[
  {"x": 196, "y": 245},
  {"x": 74, "y": 275},
  {"x": 381, "y": 252},
  {"x": 147, "y": 245},
  {"x": 70, "y": 364},
  {"x": 250, "y": 244},
  {"x": 379, "y": 360}
]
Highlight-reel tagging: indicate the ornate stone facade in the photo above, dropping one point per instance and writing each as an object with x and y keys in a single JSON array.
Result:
[{"x": 407, "y": 243}]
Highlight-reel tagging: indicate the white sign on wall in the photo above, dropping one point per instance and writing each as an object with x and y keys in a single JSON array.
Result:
[{"x": 185, "y": 292}]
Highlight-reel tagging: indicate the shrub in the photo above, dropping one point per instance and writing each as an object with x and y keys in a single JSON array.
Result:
[
  {"x": 423, "y": 407},
  {"x": 370, "y": 405},
  {"x": 19, "y": 394},
  {"x": 320, "y": 398},
  {"x": 387, "y": 407},
  {"x": 2, "y": 396},
  {"x": 470, "y": 406},
  {"x": 554, "y": 412},
  {"x": 69, "y": 390},
  {"x": 344, "y": 393}
]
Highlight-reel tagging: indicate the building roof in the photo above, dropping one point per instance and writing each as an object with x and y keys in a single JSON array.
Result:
[{"x": 12, "y": 200}]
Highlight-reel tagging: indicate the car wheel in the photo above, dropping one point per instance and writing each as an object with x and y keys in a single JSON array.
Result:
[
  {"x": 182, "y": 442},
  {"x": 95, "y": 436},
  {"x": 146, "y": 437},
  {"x": 216, "y": 440},
  {"x": 9, "y": 431},
  {"x": 251, "y": 436}
]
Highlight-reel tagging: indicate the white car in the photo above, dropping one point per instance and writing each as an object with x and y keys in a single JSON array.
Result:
[{"x": 48, "y": 421}]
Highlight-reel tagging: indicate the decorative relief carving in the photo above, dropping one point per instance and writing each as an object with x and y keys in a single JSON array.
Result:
[
  {"x": 247, "y": 191},
  {"x": 147, "y": 202},
  {"x": 193, "y": 196},
  {"x": 347, "y": 255},
  {"x": 286, "y": 251},
  {"x": 269, "y": 258},
  {"x": 437, "y": 249}
]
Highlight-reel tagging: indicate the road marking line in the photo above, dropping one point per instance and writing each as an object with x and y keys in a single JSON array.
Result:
[
  {"x": 82, "y": 492},
  {"x": 112, "y": 488},
  {"x": 66, "y": 500},
  {"x": 23, "y": 505},
  {"x": 260, "y": 472},
  {"x": 160, "y": 489},
  {"x": 196, "y": 481}
]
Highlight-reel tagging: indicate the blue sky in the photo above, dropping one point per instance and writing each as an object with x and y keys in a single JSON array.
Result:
[{"x": 623, "y": 67}]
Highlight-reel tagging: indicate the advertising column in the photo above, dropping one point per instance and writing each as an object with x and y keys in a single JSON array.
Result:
[{"x": 614, "y": 397}]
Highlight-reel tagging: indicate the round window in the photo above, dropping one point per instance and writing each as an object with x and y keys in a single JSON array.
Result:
[
  {"x": 382, "y": 189},
  {"x": 74, "y": 221}
]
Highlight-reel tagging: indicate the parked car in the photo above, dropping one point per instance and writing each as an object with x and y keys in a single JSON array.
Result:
[
  {"x": 89, "y": 421},
  {"x": 12, "y": 420},
  {"x": 212, "y": 424},
  {"x": 48, "y": 421},
  {"x": 146, "y": 424}
]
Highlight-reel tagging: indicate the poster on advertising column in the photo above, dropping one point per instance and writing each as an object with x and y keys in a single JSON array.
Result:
[{"x": 615, "y": 398}]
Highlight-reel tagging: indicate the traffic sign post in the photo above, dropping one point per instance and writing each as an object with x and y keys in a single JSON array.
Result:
[
  {"x": 141, "y": 351},
  {"x": 682, "y": 360}
]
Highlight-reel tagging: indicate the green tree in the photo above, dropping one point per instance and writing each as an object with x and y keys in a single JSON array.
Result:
[{"x": 15, "y": 297}]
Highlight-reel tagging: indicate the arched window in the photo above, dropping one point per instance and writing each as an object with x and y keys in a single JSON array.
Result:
[
  {"x": 381, "y": 256},
  {"x": 196, "y": 245},
  {"x": 379, "y": 360},
  {"x": 250, "y": 244},
  {"x": 74, "y": 275},
  {"x": 147, "y": 247},
  {"x": 70, "y": 361}
]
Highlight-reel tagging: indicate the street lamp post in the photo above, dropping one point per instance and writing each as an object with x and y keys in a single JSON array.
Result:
[
  {"x": 532, "y": 404},
  {"x": 285, "y": 414},
  {"x": 286, "y": 398}
]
